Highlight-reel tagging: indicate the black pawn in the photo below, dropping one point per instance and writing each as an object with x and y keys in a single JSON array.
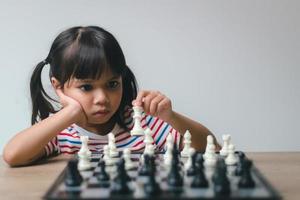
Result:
[
  {"x": 246, "y": 180},
  {"x": 240, "y": 165},
  {"x": 175, "y": 179},
  {"x": 220, "y": 179},
  {"x": 151, "y": 187},
  {"x": 146, "y": 167},
  {"x": 120, "y": 183},
  {"x": 73, "y": 177},
  {"x": 102, "y": 175},
  {"x": 193, "y": 169},
  {"x": 199, "y": 180}
]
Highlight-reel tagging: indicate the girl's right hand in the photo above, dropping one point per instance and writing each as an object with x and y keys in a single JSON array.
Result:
[{"x": 75, "y": 106}]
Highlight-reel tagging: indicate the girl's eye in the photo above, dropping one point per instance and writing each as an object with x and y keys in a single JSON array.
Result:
[
  {"x": 113, "y": 84},
  {"x": 86, "y": 87}
]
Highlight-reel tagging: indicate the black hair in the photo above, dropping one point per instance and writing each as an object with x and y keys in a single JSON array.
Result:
[{"x": 83, "y": 53}]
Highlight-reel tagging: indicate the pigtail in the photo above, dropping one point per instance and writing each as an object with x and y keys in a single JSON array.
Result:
[{"x": 41, "y": 107}]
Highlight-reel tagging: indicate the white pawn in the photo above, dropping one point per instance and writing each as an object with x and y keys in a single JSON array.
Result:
[
  {"x": 209, "y": 143},
  {"x": 137, "y": 129},
  {"x": 84, "y": 149},
  {"x": 187, "y": 144},
  {"x": 113, "y": 152},
  {"x": 128, "y": 162},
  {"x": 189, "y": 161},
  {"x": 210, "y": 158},
  {"x": 169, "y": 145},
  {"x": 226, "y": 141},
  {"x": 84, "y": 155},
  {"x": 148, "y": 140},
  {"x": 106, "y": 157},
  {"x": 231, "y": 158}
]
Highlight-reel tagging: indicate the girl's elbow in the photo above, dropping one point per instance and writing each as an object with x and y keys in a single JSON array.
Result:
[{"x": 11, "y": 157}]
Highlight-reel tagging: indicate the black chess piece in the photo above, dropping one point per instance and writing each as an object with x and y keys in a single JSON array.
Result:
[
  {"x": 240, "y": 165},
  {"x": 120, "y": 185},
  {"x": 73, "y": 177},
  {"x": 220, "y": 179},
  {"x": 193, "y": 169},
  {"x": 175, "y": 179},
  {"x": 151, "y": 187},
  {"x": 199, "y": 179},
  {"x": 102, "y": 175},
  {"x": 146, "y": 166},
  {"x": 246, "y": 180}
]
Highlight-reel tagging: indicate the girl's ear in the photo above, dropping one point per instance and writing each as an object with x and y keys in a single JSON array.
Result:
[{"x": 55, "y": 83}]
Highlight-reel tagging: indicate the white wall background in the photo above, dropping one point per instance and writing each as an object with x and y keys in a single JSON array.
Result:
[{"x": 232, "y": 65}]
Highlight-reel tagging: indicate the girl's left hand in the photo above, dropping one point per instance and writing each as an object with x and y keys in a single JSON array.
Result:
[{"x": 155, "y": 104}]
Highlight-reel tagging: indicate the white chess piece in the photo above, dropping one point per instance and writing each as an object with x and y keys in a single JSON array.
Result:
[
  {"x": 231, "y": 158},
  {"x": 128, "y": 162},
  {"x": 84, "y": 155},
  {"x": 209, "y": 143},
  {"x": 84, "y": 149},
  {"x": 187, "y": 144},
  {"x": 226, "y": 141},
  {"x": 113, "y": 152},
  {"x": 189, "y": 161},
  {"x": 211, "y": 157},
  {"x": 137, "y": 129},
  {"x": 169, "y": 145},
  {"x": 107, "y": 159},
  {"x": 148, "y": 140}
]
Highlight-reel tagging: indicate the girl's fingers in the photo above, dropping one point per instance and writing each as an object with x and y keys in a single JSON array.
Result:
[
  {"x": 164, "y": 105},
  {"x": 139, "y": 99},
  {"x": 154, "y": 105},
  {"x": 148, "y": 99}
]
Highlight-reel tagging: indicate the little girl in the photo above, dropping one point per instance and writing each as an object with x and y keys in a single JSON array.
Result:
[{"x": 96, "y": 90}]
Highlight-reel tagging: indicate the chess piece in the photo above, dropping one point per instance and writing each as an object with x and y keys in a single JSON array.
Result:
[
  {"x": 148, "y": 140},
  {"x": 128, "y": 162},
  {"x": 240, "y": 165},
  {"x": 199, "y": 180},
  {"x": 175, "y": 179},
  {"x": 226, "y": 141},
  {"x": 137, "y": 129},
  {"x": 120, "y": 182},
  {"x": 73, "y": 177},
  {"x": 168, "y": 153},
  {"x": 113, "y": 152},
  {"x": 84, "y": 149},
  {"x": 192, "y": 170},
  {"x": 210, "y": 158},
  {"x": 84, "y": 155},
  {"x": 187, "y": 144},
  {"x": 220, "y": 179},
  {"x": 106, "y": 157},
  {"x": 151, "y": 187},
  {"x": 246, "y": 180},
  {"x": 146, "y": 166},
  {"x": 209, "y": 143},
  {"x": 231, "y": 158},
  {"x": 189, "y": 161}
]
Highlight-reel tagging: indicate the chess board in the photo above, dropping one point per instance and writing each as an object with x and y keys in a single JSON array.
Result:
[{"x": 92, "y": 189}]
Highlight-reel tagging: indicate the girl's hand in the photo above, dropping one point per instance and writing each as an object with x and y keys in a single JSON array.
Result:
[
  {"x": 75, "y": 106},
  {"x": 155, "y": 104}
]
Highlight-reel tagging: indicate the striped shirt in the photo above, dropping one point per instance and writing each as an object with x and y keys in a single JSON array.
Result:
[{"x": 68, "y": 140}]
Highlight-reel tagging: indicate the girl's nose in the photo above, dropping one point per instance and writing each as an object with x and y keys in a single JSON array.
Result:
[{"x": 100, "y": 97}]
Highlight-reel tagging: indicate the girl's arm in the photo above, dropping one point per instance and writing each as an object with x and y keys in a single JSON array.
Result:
[
  {"x": 198, "y": 132},
  {"x": 157, "y": 104},
  {"x": 28, "y": 145}
]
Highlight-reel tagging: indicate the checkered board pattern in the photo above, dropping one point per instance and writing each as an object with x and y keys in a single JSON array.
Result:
[{"x": 90, "y": 188}]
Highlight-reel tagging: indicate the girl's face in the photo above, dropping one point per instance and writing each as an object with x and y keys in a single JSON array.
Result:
[{"x": 100, "y": 99}]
